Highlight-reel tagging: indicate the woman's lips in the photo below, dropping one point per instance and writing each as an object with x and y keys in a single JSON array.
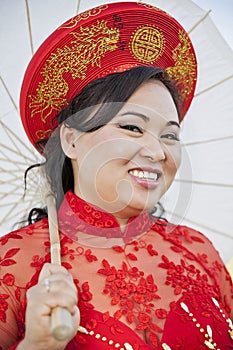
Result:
[{"x": 147, "y": 178}]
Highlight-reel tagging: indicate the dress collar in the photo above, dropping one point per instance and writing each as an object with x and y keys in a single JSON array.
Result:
[{"x": 79, "y": 216}]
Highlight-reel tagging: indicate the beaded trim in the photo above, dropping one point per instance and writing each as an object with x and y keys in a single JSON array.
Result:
[
  {"x": 166, "y": 347},
  {"x": 111, "y": 342},
  {"x": 208, "y": 333},
  {"x": 228, "y": 320}
]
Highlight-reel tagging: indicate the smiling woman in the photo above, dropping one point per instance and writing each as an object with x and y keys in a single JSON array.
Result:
[
  {"x": 130, "y": 147},
  {"x": 107, "y": 120}
]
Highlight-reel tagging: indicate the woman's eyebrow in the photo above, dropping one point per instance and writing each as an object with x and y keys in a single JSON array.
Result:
[
  {"x": 146, "y": 119},
  {"x": 136, "y": 114},
  {"x": 172, "y": 122}
]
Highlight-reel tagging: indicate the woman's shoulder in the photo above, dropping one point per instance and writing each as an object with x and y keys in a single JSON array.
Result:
[
  {"x": 21, "y": 237},
  {"x": 38, "y": 228},
  {"x": 194, "y": 244},
  {"x": 195, "y": 247},
  {"x": 183, "y": 235},
  {"x": 22, "y": 252}
]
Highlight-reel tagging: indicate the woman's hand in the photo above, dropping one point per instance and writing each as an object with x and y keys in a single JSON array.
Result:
[{"x": 41, "y": 300}]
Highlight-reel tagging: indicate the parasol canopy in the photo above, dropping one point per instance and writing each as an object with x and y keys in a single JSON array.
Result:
[{"x": 202, "y": 194}]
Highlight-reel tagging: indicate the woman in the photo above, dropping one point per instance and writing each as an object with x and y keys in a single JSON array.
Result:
[{"x": 139, "y": 282}]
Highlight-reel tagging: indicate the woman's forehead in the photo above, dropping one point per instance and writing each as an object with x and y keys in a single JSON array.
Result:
[{"x": 150, "y": 100}]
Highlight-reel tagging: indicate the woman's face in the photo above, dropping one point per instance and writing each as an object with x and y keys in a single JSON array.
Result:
[{"x": 126, "y": 166}]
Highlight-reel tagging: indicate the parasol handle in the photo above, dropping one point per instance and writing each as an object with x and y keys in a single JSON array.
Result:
[{"x": 61, "y": 320}]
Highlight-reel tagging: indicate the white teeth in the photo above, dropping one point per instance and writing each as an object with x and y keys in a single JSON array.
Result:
[{"x": 144, "y": 174}]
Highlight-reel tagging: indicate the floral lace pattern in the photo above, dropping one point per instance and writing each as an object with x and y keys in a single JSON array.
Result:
[
  {"x": 92, "y": 220},
  {"x": 134, "y": 293}
]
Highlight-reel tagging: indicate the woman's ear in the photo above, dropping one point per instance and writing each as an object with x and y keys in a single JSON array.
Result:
[{"x": 69, "y": 138}]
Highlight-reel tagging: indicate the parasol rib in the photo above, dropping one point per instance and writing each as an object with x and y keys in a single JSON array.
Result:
[
  {"x": 214, "y": 85},
  {"x": 13, "y": 135},
  {"x": 78, "y": 6},
  {"x": 9, "y": 94},
  {"x": 29, "y": 26},
  {"x": 12, "y": 214},
  {"x": 200, "y": 225},
  {"x": 199, "y": 22},
  {"x": 207, "y": 141},
  {"x": 215, "y": 184},
  {"x": 7, "y": 216}
]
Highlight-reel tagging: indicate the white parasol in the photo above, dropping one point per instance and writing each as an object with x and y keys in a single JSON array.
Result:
[{"x": 202, "y": 195}]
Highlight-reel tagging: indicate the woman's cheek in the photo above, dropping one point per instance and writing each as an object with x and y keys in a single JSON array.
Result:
[{"x": 174, "y": 156}]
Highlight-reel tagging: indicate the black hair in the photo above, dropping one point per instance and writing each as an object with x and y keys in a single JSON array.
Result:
[{"x": 91, "y": 109}]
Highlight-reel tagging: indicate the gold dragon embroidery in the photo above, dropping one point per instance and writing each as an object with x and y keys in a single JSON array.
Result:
[
  {"x": 88, "y": 48},
  {"x": 184, "y": 69}
]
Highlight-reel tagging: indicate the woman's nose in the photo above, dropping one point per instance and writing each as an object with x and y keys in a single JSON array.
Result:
[{"x": 152, "y": 149}]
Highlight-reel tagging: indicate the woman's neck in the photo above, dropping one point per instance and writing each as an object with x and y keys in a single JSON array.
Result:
[{"x": 82, "y": 219}]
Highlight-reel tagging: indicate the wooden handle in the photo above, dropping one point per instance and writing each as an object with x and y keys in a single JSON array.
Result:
[
  {"x": 61, "y": 319},
  {"x": 61, "y": 324}
]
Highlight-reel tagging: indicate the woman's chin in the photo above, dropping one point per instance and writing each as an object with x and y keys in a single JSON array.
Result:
[{"x": 133, "y": 208}]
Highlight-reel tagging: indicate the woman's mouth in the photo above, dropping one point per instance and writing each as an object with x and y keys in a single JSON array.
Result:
[{"x": 146, "y": 178}]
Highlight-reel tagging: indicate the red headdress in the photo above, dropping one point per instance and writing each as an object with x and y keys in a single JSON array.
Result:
[{"x": 106, "y": 39}]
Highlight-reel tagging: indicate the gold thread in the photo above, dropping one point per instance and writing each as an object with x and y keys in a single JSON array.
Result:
[
  {"x": 184, "y": 69},
  {"x": 151, "y": 7},
  {"x": 52, "y": 90},
  {"x": 43, "y": 134},
  {"x": 83, "y": 16},
  {"x": 147, "y": 44}
]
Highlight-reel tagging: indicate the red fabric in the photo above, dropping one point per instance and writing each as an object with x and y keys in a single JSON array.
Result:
[
  {"x": 129, "y": 292},
  {"x": 107, "y": 39},
  {"x": 92, "y": 220}
]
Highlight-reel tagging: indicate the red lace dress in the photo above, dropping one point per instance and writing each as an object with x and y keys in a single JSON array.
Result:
[{"x": 152, "y": 286}]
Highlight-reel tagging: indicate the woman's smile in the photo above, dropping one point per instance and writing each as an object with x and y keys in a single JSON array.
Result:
[
  {"x": 127, "y": 165},
  {"x": 146, "y": 177}
]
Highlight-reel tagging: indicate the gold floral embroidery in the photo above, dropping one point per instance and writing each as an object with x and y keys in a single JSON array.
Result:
[
  {"x": 83, "y": 16},
  {"x": 147, "y": 44},
  {"x": 41, "y": 134},
  {"x": 184, "y": 69},
  {"x": 148, "y": 6},
  {"x": 152, "y": 7},
  {"x": 87, "y": 48}
]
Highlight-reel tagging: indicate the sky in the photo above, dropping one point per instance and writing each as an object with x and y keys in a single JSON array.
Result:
[{"x": 221, "y": 14}]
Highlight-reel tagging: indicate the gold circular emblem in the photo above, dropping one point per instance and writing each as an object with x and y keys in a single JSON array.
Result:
[{"x": 147, "y": 44}]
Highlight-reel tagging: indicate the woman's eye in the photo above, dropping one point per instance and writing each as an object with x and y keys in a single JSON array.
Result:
[
  {"x": 132, "y": 128},
  {"x": 170, "y": 136}
]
